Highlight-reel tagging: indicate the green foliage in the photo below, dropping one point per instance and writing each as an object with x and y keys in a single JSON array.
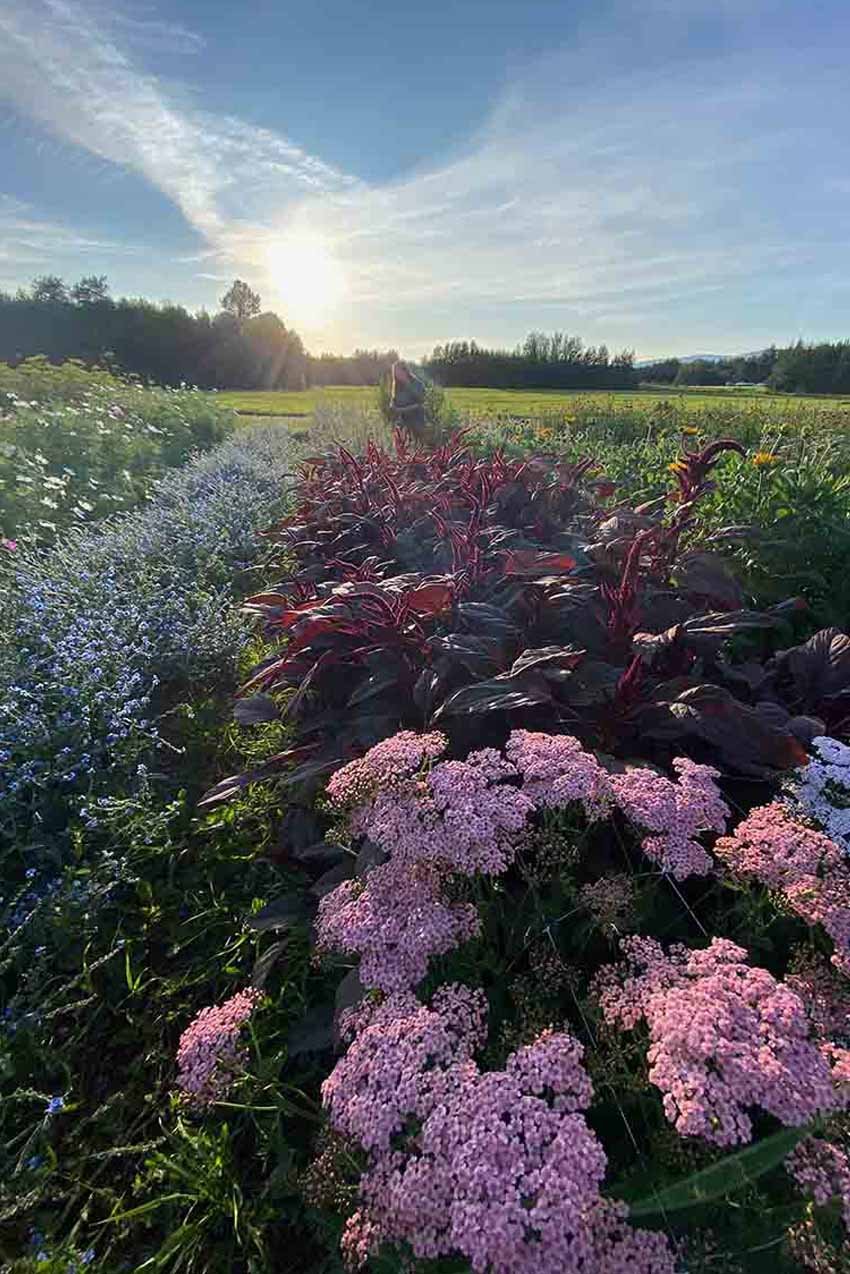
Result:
[
  {"x": 126, "y": 923},
  {"x": 79, "y": 445},
  {"x": 166, "y": 344},
  {"x": 813, "y": 369},
  {"x": 726, "y": 1177},
  {"x": 540, "y": 362},
  {"x": 782, "y": 511},
  {"x": 241, "y": 301}
]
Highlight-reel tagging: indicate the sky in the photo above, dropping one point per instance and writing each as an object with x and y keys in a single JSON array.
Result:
[{"x": 670, "y": 176}]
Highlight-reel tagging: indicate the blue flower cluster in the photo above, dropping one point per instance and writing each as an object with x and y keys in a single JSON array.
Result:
[{"x": 96, "y": 632}]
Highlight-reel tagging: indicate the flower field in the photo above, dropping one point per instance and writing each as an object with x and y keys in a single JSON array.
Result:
[
  {"x": 453, "y": 877},
  {"x": 77, "y": 445}
]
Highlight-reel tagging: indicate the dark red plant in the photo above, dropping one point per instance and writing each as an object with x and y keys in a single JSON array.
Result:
[{"x": 441, "y": 585}]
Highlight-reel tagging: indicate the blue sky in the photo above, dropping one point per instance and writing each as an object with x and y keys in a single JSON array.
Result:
[{"x": 672, "y": 176}]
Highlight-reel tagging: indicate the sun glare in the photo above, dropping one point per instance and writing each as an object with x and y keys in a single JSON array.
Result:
[{"x": 306, "y": 277}]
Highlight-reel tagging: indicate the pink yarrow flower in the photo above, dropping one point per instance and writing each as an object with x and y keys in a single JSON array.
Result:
[
  {"x": 821, "y": 1170},
  {"x": 500, "y": 1167},
  {"x": 806, "y": 867},
  {"x": 386, "y": 764},
  {"x": 556, "y": 770},
  {"x": 210, "y": 1052},
  {"x": 724, "y": 1038},
  {"x": 396, "y": 921},
  {"x": 674, "y": 813}
]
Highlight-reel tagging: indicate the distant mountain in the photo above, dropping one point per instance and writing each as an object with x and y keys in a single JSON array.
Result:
[{"x": 696, "y": 358}]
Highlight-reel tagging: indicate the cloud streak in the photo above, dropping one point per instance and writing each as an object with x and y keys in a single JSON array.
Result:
[
  {"x": 595, "y": 196},
  {"x": 27, "y": 240}
]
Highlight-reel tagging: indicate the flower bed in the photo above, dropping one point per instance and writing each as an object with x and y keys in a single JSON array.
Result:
[
  {"x": 596, "y": 978},
  {"x": 79, "y": 445},
  {"x": 96, "y": 631}
]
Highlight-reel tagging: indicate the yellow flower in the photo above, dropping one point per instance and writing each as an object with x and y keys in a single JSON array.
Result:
[
  {"x": 689, "y": 429},
  {"x": 677, "y": 467},
  {"x": 764, "y": 458}
]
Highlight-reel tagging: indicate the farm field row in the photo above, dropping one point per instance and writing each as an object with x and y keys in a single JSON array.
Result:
[
  {"x": 518, "y": 402},
  {"x": 181, "y": 936}
]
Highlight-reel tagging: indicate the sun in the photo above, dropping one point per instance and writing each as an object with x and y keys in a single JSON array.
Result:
[{"x": 306, "y": 277}]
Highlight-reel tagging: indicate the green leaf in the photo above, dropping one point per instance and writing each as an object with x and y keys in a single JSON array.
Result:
[
  {"x": 283, "y": 913},
  {"x": 732, "y": 1173}
]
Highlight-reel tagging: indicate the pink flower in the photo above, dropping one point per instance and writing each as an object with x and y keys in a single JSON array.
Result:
[
  {"x": 402, "y": 1057},
  {"x": 675, "y": 812},
  {"x": 498, "y": 1167},
  {"x": 556, "y": 770},
  {"x": 806, "y": 867},
  {"x": 395, "y": 921},
  {"x": 384, "y": 765},
  {"x": 209, "y": 1053},
  {"x": 459, "y": 814},
  {"x": 8, "y": 545},
  {"x": 724, "y": 1038},
  {"x": 822, "y": 1172}
]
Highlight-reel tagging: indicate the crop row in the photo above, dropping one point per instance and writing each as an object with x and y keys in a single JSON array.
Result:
[{"x": 581, "y": 857}]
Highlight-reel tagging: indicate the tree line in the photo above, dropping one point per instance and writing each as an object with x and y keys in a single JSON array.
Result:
[
  {"x": 243, "y": 346},
  {"x": 542, "y": 361},
  {"x": 240, "y": 347},
  {"x": 797, "y": 369}
]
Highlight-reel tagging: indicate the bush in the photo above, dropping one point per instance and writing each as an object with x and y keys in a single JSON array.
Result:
[
  {"x": 121, "y": 910},
  {"x": 76, "y": 446},
  {"x": 437, "y": 588},
  {"x": 97, "y": 632}
]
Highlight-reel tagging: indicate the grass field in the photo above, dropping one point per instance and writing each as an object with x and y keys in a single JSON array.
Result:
[{"x": 518, "y": 402}]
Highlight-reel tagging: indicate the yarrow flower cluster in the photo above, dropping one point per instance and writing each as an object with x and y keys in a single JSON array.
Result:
[
  {"x": 396, "y": 921},
  {"x": 210, "y": 1052},
  {"x": 826, "y": 995},
  {"x": 821, "y": 789},
  {"x": 456, "y": 817},
  {"x": 499, "y": 1167},
  {"x": 674, "y": 813},
  {"x": 386, "y": 764},
  {"x": 458, "y": 814},
  {"x": 436, "y": 818},
  {"x": 821, "y": 1170},
  {"x": 806, "y": 867},
  {"x": 556, "y": 770},
  {"x": 724, "y": 1037}
]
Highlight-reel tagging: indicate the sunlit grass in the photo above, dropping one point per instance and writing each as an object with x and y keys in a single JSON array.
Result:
[{"x": 475, "y": 403}]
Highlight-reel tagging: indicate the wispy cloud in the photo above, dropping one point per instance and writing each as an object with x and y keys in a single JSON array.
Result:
[
  {"x": 595, "y": 196},
  {"x": 28, "y": 240},
  {"x": 62, "y": 64}
]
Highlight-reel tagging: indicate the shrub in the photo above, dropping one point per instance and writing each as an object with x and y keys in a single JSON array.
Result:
[
  {"x": 76, "y": 446},
  {"x": 118, "y": 905}
]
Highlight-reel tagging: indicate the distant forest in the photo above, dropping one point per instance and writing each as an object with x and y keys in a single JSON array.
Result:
[
  {"x": 541, "y": 362},
  {"x": 244, "y": 347},
  {"x": 240, "y": 347},
  {"x": 797, "y": 369}
]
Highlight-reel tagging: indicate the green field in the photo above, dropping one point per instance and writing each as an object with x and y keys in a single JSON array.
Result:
[{"x": 518, "y": 402}]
